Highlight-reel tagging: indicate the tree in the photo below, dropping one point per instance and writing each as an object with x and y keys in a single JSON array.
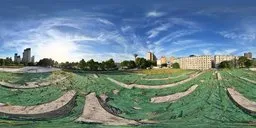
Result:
[
  {"x": 93, "y": 66},
  {"x": 135, "y": 56},
  {"x": 248, "y": 63},
  {"x": 110, "y": 64},
  {"x": 192, "y": 55},
  {"x": 226, "y": 64},
  {"x": 128, "y": 64},
  {"x": 175, "y": 65},
  {"x": 241, "y": 61},
  {"x": 142, "y": 63},
  {"x": 82, "y": 64},
  {"x": 46, "y": 62}
]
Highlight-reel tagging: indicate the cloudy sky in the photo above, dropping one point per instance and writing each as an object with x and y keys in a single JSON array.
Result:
[{"x": 69, "y": 30}]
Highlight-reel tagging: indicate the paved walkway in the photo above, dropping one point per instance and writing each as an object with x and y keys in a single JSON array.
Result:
[
  {"x": 94, "y": 113},
  {"x": 154, "y": 86},
  {"x": 55, "y": 108},
  {"x": 241, "y": 101},
  {"x": 29, "y": 85},
  {"x": 173, "y": 97}
]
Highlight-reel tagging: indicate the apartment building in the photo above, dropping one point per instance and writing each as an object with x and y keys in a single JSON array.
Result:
[
  {"x": 220, "y": 58},
  {"x": 150, "y": 56},
  {"x": 195, "y": 62}
]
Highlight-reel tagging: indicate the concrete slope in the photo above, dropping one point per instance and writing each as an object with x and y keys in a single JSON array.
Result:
[
  {"x": 59, "y": 107},
  {"x": 241, "y": 101},
  {"x": 173, "y": 97},
  {"x": 94, "y": 113}
]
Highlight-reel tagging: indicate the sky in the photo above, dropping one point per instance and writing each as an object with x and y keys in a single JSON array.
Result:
[{"x": 71, "y": 30}]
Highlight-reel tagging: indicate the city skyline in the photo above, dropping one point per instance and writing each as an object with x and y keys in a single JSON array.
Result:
[{"x": 99, "y": 30}]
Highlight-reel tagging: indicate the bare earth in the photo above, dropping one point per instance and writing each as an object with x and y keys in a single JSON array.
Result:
[
  {"x": 29, "y": 85},
  {"x": 39, "y": 111},
  {"x": 154, "y": 86},
  {"x": 244, "y": 103},
  {"x": 95, "y": 113},
  {"x": 173, "y": 97},
  {"x": 29, "y": 69}
]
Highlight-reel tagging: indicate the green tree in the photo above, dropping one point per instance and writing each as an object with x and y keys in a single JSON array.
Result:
[
  {"x": 45, "y": 62},
  {"x": 175, "y": 65},
  {"x": 241, "y": 61},
  {"x": 110, "y": 64},
  {"x": 248, "y": 63},
  {"x": 226, "y": 64},
  {"x": 93, "y": 66},
  {"x": 129, "y": 64},
  {"x": 142, "y": 63},
  {"x": 82, "y": 64}
]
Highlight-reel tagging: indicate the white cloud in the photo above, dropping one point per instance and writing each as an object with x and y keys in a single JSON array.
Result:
[
  {"x": 206, "y": 52},
  {"x": 225, "y": 52},
  {"x": 174, "y": 35},
  {"x": 155, "y": 14},
  {"x": 125, "y": 28},
  {"x": 155, "y": 31},
  {"x": 105, "y": 21},
  {"x": 240, "y": 36}
]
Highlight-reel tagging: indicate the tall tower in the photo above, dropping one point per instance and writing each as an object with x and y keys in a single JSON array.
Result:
[
  {"x": 15, "y": 57},
  {"x": 27, "y": 55}
]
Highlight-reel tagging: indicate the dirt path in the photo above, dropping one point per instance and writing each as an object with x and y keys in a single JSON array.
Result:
[
  {"x": 241, "y": 101},
  {"x": 52, "y": 109},
  {"x": 173, "y": 97},
  {"x": 94, "y": 113},
  {"x": 29, "y": 85},
  {"x": 154, "y": 86}
]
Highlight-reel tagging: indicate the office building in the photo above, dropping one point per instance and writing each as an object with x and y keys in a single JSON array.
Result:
[
  {"x": 26, "y": 55},
  {"x": 17, "y": 59}
]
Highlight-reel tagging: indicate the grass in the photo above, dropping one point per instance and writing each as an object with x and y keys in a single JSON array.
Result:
[
  {"x": 134, "y": 78},
  {"x": 28, "y": 96},
  {"x": 208, "y": 106}
]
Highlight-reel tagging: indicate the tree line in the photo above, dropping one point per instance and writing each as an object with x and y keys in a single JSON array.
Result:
[{"x": 242, "y": 62}]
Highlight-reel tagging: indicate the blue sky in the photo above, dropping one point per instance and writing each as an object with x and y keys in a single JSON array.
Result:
[{"x": 69, "y": 30}]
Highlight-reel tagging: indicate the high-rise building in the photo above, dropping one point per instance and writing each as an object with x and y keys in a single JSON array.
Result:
[
  {"x": 150, "y": 56},
  {"x": 27, "y": 55},
  {"x": 195, "y": 62},
  {"x": 18, "y": 59},
  {"x": 220, "y": 58},
  {"x": 33, "y": 59},
  {"x": 248, "y": 55},
  {"x": 15, "y": 57}
]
